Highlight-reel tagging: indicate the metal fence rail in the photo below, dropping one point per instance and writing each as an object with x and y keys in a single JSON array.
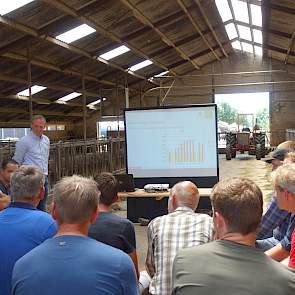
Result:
[{"x": 86, "y": 158}]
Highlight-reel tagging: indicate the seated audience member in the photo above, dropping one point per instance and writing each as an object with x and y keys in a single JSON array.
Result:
[
  {"x": 284, "y": 181},
  {"x": 22, "y": 226},
  {"x": 109, "y": 228},
  {"x": 71, "y": 262},
  {"x": 232, "y": 264},
  {"x": 167, "y": 234},
  {"x": 276, "y": 227},
  {"x": 6, "y": 169}
]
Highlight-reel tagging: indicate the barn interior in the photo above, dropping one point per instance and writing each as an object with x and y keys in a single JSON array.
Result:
[{"x": 82, "y": 62}]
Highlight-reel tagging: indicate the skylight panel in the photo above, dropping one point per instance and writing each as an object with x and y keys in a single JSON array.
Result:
[
  {"x": 115, "y": 52},
  {"x": 96, "y": 102},
  {"x": 75, "y": 33},
  {"x": 34, "y": 89},
  {"x": 224, "y": 10},
  {"x": 236, "y": 45},
  {"x": 240, "y": 11},
  {"x": 258, "y": 50},
  {"x": 247, "y": 47},
  {"x": 245, "y": 32},
  {"x": 231, "y": 31},
  {"x": 69, "y": 97},
  {"x": 257, "y": 36},
  {"x": 140, "y": 65},
  {"x": 7, "y": 6},
  {"x": 161, "y": 74},
  {"x": 256, "y": 15}
]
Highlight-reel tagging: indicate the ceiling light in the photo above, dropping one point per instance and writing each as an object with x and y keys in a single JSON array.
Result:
[
  {"x": 7, "y": 6},
  {"x": 140, "y": 65},
  {"x": 231, "y": 31},
  {"x": 244, "y": 33},
  {"x": 115, "y": 52},
  {"x": 256, "y": 15},
  {"x": 34, "y": 89},
  {"x": 247, "y": 47},
  {"x": 224, "y": 10},
  {"x": 69, "y": 97},
  {"x": 96, "y": 102},
  {"x": 75, "y": 33},
  {"x": 240, "y": 11},
  {"x": 161, "y": 74}
]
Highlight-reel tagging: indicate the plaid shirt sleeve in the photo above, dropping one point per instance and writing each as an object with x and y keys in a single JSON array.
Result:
[
  {"x": 273, "y": 217},
  {"x": 149, "y": 263}
]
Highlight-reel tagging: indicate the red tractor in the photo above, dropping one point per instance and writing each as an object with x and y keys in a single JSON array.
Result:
[{"x": 246, "y": 141}]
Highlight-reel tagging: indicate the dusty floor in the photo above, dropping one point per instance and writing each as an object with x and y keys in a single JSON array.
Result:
[{"x": 243, "y": 166}]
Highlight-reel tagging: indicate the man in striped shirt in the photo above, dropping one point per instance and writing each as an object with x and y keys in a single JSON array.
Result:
[{"x": 179, "y": 229}]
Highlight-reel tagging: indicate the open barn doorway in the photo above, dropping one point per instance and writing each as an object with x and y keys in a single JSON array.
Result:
[{"x": 242, "y": 111}]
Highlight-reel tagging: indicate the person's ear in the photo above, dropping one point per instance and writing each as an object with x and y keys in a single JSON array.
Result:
[
  {"x": 53, "y": 212},
  {"x": 94, "y": 215},
  {"x": 41, "y": 193},
  {"x": 116, "y": 199},
  {"x": 174, "y": 201}
]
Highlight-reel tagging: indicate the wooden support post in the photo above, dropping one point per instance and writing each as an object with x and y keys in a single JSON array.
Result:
[
  {"x": 84, "y": 110},
  {"x": 30, "y": 84}
]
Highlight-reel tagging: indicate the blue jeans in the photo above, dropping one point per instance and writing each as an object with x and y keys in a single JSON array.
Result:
[
  {"x": 42, "y": 203},
  {"x": 266, "y": 244}
]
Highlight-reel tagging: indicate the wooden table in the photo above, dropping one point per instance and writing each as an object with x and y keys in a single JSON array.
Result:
[{"x": 151, "y": 205}]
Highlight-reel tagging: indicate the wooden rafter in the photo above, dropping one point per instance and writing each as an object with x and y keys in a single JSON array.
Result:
[
  {"x": 144, "y": 20},
  {"x": 196, "y": 27},
  {"x": 27, "y": 30},
  {"x": 94, "y": 24},
  {"x": 210, "y": 27}
]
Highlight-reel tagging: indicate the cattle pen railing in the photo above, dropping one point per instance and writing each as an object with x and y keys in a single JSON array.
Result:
[{"x": 86, "y": 158}]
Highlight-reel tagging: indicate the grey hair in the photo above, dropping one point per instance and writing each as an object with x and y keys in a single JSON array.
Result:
[
  {"x": 26, "y": 182},
  {"x": 186, "y": 194},
  {"x": 75, "y": 198},
  {"x": 37, "y": 117},
  {"x": 284, "y": 178}
]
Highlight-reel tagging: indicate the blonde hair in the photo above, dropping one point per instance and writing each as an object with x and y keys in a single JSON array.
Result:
[
  {"x": 290, "y": 158},
  {"x": 75, "y": 198}
]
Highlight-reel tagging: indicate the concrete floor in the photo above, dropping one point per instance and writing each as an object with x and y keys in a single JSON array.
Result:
[{"x": 242, "y": 166}]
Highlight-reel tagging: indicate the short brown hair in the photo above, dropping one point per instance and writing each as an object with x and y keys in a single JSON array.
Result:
[
  {"x": 75, "y": 198},
  {"x": 108, "y": 187},
  {"x": 240, "y": 202}
]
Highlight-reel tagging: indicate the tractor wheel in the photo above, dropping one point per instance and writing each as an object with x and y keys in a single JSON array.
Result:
[
  {"x": 260, "y": 140},
  {"x": 228, "y": 153},
  {"x": 233, "y": 153},
  {"x": 258, "y": 152},
  {"x": 231, "y": 140}
]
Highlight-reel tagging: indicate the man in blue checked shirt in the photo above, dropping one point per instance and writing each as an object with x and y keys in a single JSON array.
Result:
[
  {"x": 33, "y": 149},
  {"x": 275, "y": 230}
]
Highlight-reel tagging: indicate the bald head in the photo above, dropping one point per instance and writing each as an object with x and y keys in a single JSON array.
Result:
[
  {"x": 289, "y": 144},
  {"x": 183, "y": 194}
]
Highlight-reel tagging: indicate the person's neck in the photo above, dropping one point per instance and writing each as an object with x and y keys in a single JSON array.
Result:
[
  {"x": 33, "y": 202},
  {"x": 67, "y": 229},
  {"x": 104, "y": 208},
  {"x": 248, "y": 240}
]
